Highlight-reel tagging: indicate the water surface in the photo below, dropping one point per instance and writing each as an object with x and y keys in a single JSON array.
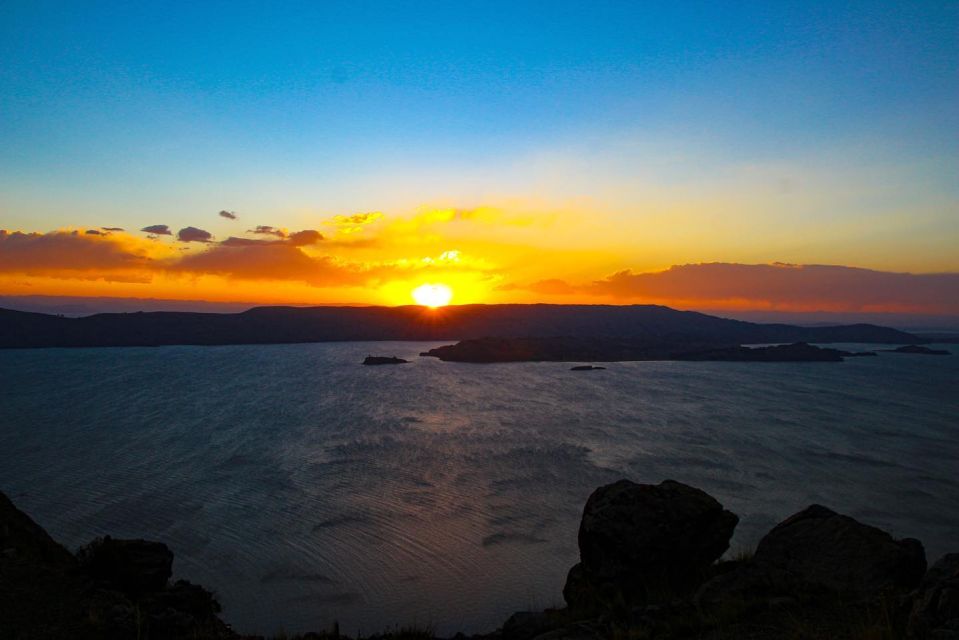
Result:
[{"x": 303, "y": 487}]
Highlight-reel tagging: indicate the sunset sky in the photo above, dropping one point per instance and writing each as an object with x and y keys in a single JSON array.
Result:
[{"x": 793, "y": 156}]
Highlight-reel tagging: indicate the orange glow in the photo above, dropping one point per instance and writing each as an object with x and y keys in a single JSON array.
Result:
[{"x": 432, "y": 295}]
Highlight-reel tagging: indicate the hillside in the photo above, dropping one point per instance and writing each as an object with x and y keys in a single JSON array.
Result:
[{"x": 276, "y": 325}]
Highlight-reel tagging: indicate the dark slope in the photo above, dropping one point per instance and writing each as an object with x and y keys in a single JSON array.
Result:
[{"x": 266, "y": 325}]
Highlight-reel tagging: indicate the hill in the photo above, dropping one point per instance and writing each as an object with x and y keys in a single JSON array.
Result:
[{"x": 648, "y": 324}]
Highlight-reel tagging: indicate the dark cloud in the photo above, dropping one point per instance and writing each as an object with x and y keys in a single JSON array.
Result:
[
  {"x": 305, "y": 237},
  {"x": 229, "y": 215},
  {"x": 112, "y": 228},
  {"x": 158, "y": 230},
  {"x": 233, "y": 241},
  {"x": 299, "y": 239},
  {"x": 268, "y": 231},
  {"x": 192, "y": 234},
  {"x": 95, "y": 232}
]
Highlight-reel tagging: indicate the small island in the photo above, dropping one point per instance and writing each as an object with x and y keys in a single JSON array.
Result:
[
  {"x": 374, "y": 360},
  {"x": 920, "y": 350},
  {"x": 585, "y": 367}
]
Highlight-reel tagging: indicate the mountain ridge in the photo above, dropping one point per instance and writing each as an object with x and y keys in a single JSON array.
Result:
[{"x": 285, "y": 325}]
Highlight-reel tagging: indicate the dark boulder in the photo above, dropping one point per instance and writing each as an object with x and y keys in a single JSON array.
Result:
[
  {"x": 134, "y": 567},
  {"x": 935, "y": 611},
  {"x": 819, "y": 551},
  {"x": 640, "y": 541},
  {"x": 23, "y": 539}
]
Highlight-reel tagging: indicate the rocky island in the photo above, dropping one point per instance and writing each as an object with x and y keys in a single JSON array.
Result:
[
  {"x": 567, "y": 349},
  {"x": 918, "y": 349},
  {"x": 377, "y": 360}
]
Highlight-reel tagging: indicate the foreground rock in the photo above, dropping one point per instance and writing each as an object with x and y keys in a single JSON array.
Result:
[
  {"x": 135, "y": 567},
  {"x": 818, "y": 551},
  {"x": 637, "y": 539},
  {"x": 113, "y": 589},
  {"x": 935, "y": 610}
]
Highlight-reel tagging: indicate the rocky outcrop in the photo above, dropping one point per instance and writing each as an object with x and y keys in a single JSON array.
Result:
[
  {"x": 134, "y": 567},
  {"x": 935, "y": 608},
  {"x": 819, "y": 551},
  {"x": 112, "y": 589},
  {"x": 638, "y": 539}
]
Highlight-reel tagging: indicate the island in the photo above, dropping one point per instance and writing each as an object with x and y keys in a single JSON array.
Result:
[
  {"x": 917, "y": 349},
  {"x": 571, "y": 349},
  {"x": 375, "y": 360},
  {"x": 585, "y": 367}
]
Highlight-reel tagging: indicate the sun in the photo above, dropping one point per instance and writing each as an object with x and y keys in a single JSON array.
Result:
[{"x": 433, "y": 295}]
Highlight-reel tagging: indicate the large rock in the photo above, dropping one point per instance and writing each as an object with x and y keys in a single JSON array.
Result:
[
  {"x": 820, "y": 551},
  {"x": 134, "y": 567},
  {"x": 639, "y": 541},
  {"x": 23, "y": 539},
  {"x": 935, "y": 612}
]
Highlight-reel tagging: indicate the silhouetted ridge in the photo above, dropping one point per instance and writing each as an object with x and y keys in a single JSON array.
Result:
[{"x": 648, "y": 324}]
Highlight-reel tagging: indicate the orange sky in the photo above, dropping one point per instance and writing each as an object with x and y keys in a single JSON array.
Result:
[{"x": 491, "y": 254}]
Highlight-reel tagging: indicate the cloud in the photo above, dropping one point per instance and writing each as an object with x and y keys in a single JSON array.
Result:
[
  {"x": 69, "y": 254},
  {"x": 229, "y": 215},
  {"x": 158, "y": 230},
  {"x": 192, "y": 234},
  {"x": 299, "y": 239},
  {"x": 304, "y": 238},
  {"x": 95, "y": 232},
  {"x": 267, "y": 260},
  {"x": 788, "y": 286},
  {"x": 112, "y": 228},
  {"x": 355, "y": 222},
  {"x": 268, "y": 231}
]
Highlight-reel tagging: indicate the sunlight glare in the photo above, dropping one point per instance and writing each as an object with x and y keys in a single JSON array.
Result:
[{"x": 432, "y": 295}]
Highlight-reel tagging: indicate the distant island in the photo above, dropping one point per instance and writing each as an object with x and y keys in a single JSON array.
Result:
[
  {"x": 915, "y": 348},
  {"x": 655, "y": 331},
  {"x": 489, "y": 350},
  {"x": 379, "y": 360}
]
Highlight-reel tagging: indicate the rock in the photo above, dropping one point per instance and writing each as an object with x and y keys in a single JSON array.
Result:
[
  {"x": 374, "y": 360},
  {"x": 24, "y": 539},
  {"x": 134, "y": 567},
  {"x": 640, "y": 541},
  {"x": 935, "y": 611},
  {"x": 524, "y": 625},
  {"x": 820, "y": 551},
  {"x": 586, "y": 367}
]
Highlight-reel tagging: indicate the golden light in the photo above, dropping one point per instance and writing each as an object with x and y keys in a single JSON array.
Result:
[{"x": 432, "y": 295}]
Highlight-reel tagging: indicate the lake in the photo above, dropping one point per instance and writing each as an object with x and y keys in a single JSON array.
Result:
[{"x": 304, "y": 488}]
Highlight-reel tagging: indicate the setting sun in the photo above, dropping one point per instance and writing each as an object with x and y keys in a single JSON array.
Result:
[{"x": 432, "y": 295}]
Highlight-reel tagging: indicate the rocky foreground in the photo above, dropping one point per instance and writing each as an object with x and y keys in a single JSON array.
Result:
[{"x": 650, "y": 567}]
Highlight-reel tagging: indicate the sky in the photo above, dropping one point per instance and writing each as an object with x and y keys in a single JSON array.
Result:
[{"x": 795, "y": 156}]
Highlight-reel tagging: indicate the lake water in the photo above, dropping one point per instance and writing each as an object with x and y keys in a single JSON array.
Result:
[{"x": 303, "y": 487}]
